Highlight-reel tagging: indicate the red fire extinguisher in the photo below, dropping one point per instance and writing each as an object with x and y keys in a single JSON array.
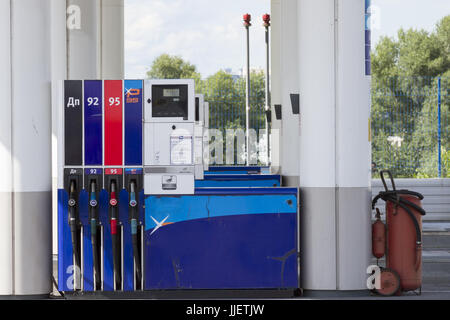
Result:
[{"x": 400, "y": 239}]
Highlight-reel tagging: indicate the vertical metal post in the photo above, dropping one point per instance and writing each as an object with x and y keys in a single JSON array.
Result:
[
  {"x": 439, "y": 130},
  {"x": 266, "y": 19},
  {"x": 247, "y": 24}
]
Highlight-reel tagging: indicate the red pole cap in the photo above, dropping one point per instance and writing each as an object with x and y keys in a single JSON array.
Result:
[
  {"x": 266, "y": 19},
  {"x": 247, "y": 19}
]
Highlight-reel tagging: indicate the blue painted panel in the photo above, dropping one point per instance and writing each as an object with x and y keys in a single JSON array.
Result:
[
  {"x": 182, "y": 208},
  {"x": 234, "y": 168},
  {"x": 88, "y": 264},
  {"x": 236, "y": 183},
  {"x": 93, "y": 131},
  {"x": 65, "y": 252},
  {"x": 223, "y": 177},
  {"x": 133, "y": 122},
  {"x": 238, "y": 170},
  {"x": 228, "y": 252},
  {"x": 367, "y": 18},
  {"x": 244, "y": 191},
  {"x": 233, "y": 180}
]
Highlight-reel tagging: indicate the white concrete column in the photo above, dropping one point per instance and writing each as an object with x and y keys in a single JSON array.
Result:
[
  {"x": 30, "y": 149},
  {"x": 95, "y": 50},
  {"x": 289, "y": 85},
  {"x": 284, "y": 70},
  {"x": 317, "y": 144},
  {"x": 353, "y": 148},
  {"x": 275, "y": 83},
  {"x": 59, "y": 72},
  {"x": 112, "y": 45},
  {"x": 6, "y": 244},
  {"x": 84, "y": 39},
  {"x": 334, "y": 145}
]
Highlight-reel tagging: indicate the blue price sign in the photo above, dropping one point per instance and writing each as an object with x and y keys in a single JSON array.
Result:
[{"x": 88, "y": 171}]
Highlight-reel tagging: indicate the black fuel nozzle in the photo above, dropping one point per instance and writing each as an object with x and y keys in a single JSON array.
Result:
[
  {"x": 73, "y": 219},
  {"x": 73, "y": 223},
  {"x": 133, "y": 200}
]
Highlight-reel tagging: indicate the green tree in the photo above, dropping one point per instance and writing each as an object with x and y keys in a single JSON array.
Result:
[
  {"x": 173, "y": 67},
  {"x": 404, "y": 98},
  {"x": 226, "y": 97}
]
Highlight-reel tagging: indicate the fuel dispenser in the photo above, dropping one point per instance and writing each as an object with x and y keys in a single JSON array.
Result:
[
  {"x": 169, "y": 166},
  {"x": 129, "y": 152},
  {"x": 100, "y": 184}
]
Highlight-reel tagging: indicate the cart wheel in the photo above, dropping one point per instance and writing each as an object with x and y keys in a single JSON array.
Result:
[{"x": 389, "y": 281}]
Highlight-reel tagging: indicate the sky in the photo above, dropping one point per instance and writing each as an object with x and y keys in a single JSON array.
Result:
[{"x": 210, "y": 33}]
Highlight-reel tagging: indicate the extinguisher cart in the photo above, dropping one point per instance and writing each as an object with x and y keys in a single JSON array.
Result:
[{"x": 400, "y": 240}]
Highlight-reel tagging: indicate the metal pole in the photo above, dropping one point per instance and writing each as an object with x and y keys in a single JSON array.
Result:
[
  {"x": 439, "y": 130},
  {"x": 247, "y": 24},
  {"x": 266, "y": 19}
]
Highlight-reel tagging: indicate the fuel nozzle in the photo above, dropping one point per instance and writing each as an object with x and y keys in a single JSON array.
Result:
[
  {"x": 72, "y": 203},
  {"x": 73, "y": 223}
]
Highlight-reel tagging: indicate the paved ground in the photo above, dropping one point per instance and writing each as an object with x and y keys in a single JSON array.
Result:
[{"x": 436, "y": 269}]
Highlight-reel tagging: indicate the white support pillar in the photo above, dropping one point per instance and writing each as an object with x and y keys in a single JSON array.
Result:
[
  {"x": 289, "y": 85},
  {"x": 275, "y": 84},
  {"x": 112, "y": 44},
  {"x": 96, "y": 49},
  {"x": 284, "y": 69},
  {"x": 30, "y": 74},
  {"x": 334, "y": 145},
  {"x": 6, "y": 244}
]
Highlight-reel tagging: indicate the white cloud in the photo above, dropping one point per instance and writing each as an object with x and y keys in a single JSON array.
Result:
[{"x": 209, "y": 34}]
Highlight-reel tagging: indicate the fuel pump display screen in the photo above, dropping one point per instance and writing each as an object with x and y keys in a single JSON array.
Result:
[
  {"x": 170, "y": 101},
  {"x": 171, "y": 93}
]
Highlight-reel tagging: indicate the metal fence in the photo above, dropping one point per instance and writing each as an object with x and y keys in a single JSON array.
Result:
[
  {"x": 410, "y": 126},
  {"x": 410, "y": 120},
  {"x": 226, "y": 97}
]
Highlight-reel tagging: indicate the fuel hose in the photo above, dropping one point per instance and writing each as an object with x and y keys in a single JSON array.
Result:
[
  {"x": 73, "y": 223},
  {"x": 114, "y": 236},
  {"x": 93, "y": 204},
  {"x": 134, "y": 234}
]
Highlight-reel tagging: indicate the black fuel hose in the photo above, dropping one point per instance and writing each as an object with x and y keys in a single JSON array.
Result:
[
  {"x": 395, "y": 196},
  {"x": 73, "y": 223},
  {"x": 114, "y": 219},
  {"x": 93, "y": 204},
  {"x": 134, "y": 234}
]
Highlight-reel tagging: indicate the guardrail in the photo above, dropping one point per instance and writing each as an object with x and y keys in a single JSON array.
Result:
[{"x": 436, "y": 194}]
